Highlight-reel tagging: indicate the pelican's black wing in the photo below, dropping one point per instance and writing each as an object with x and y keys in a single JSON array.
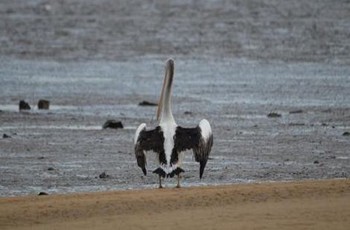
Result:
[
  {"x": 199, "y": 139},
  {"x": 146, "y": 140}
]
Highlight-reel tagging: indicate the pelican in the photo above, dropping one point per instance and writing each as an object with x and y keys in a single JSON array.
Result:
[{"x": 169, "y": 141}]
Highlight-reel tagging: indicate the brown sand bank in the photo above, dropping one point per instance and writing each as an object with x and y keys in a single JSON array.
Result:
[{"x": 293, "y": 205}]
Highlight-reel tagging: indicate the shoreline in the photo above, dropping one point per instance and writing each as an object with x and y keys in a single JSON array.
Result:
[{"x": 274, "y": 204}]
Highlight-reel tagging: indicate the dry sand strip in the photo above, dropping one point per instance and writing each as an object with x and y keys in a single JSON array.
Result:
[{"x": 323, "y": 204}]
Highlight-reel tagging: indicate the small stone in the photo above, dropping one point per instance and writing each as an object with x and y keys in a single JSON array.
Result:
[
  {"x": 43, "y": 194},
  {"x": 346, "y": 134},
  {"x": 24, "y": 105},
  {"x": 113, "y": 124},
  {"x": 6, "y": 136},
  {"x": 273, "y": 115},
  {"x": 316, "y": 162},
  {"x": 43, "y": 104},
  {"x": 296, "y": 111},
  {"x": 147, "y": 103},
  {"x": 296, "y": 124},
  {"x": 103, "y": 175},
  {"x": 50, "y": 169},
  {"x": 188, "y": 113}
]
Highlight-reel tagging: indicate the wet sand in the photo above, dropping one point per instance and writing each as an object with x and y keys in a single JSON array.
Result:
[{"x": 322, "y": 204}]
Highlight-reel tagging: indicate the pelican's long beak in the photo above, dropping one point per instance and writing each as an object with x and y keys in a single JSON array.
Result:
[{"x": 166, "y": 89}]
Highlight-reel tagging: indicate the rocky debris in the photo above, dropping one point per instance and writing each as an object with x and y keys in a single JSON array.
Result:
[
  {"x": 296, "y": 111},
  {"x": 43, "y": 104},
  {"x": 188, "y": 113},
  {"x": 43, "y": 194},
  {"x": 296, "y": 124},
  {"x": 273, "y": 115},
  {"x": 113, "y": 124},
  {"x": 6, "y": 136},
  {"x": 346, "y": 134},
  {"x": 316, "y": 162},
  {"x": 24, "y": 105},
  {"x": 147, "y": 103},
  {"x": 50, "y": 169},
  {"x": 104, "y": 175}
]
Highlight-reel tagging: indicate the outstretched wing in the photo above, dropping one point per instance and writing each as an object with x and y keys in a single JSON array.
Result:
[
  {"x": 199, "y": 139},
  {"x": 146, "y": 140}
]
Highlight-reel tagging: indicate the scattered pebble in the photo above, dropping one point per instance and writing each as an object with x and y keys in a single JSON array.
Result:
[
  {"x": 6, "y": 136},
  {"x": 296, "y": 124},
  {"x": 43, "y": 194},
  {"x": 41, "y": 158},
  {"x": 316, "y": 162},
  {"x": 50, "y": 169},
  {"x": 43, "y": 104},
  {"x": 24, "y": 105},
  {"x": 188, "y": 113},
  {"x": 346, "y": 134},
  {"x": 274, "y": 115},
  {"x": 296, "y": 111},
  {"x": 113, "y": 124},
  {"x": 147, "y": 103},
  {"x": 104, "y": 175}
]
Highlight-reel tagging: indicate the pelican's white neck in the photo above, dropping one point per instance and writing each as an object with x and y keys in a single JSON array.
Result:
[{"x": 164, "y": 107}]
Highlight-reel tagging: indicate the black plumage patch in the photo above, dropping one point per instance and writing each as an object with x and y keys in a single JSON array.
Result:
[
  {"x": 177, "y": 171},
  {"x": 149, "y": 140},
  {"x": 160, "y": 172}
]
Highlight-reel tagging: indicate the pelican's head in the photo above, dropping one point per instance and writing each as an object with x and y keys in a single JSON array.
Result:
[{"x": 165, "y": 96}]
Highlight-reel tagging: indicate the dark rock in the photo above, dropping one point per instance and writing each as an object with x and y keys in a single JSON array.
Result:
[
  {"x": 188, "y": 113},
  {"x": 10, "y": 11},
  {"x": 147, "y": 103},
  {"x": 296, "y": 124},
  {"x": 50, "y": 169},
  {"x": 6, "y": 136},
  {"x": 24, "y": 105},
  {"x": 41, "y": 158},
  {"x": 327, "y": 111},
  {"x": 346, "y": 134},
  {"x": 316, "y": 162},
  {"x": 43, "y": 194},
  {"x": 113, "y": 124},
  {"x": 273, "y": 115},
  {"x": 104, "y": 175},
  {"x": 43, "y": 104},
  {"x": 296, "y": 111}
]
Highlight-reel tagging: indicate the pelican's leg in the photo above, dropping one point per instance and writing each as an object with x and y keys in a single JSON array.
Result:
[
  {"x": 178, "y": 181},
  {"x": 160, "y": 182}
]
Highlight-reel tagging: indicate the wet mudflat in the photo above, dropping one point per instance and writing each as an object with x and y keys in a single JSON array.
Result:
[
  {"x": 92, "y": 63},
  {"x": 65, "y": 148}
]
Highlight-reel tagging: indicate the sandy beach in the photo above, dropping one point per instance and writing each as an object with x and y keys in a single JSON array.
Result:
[{"x": 321, "y": 204}]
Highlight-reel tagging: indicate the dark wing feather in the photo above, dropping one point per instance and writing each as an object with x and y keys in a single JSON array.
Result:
[
  {"x": 146, "y": 140},
  {"x": 199, "y": 139},
  {"x": 186, "y": 138}
]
